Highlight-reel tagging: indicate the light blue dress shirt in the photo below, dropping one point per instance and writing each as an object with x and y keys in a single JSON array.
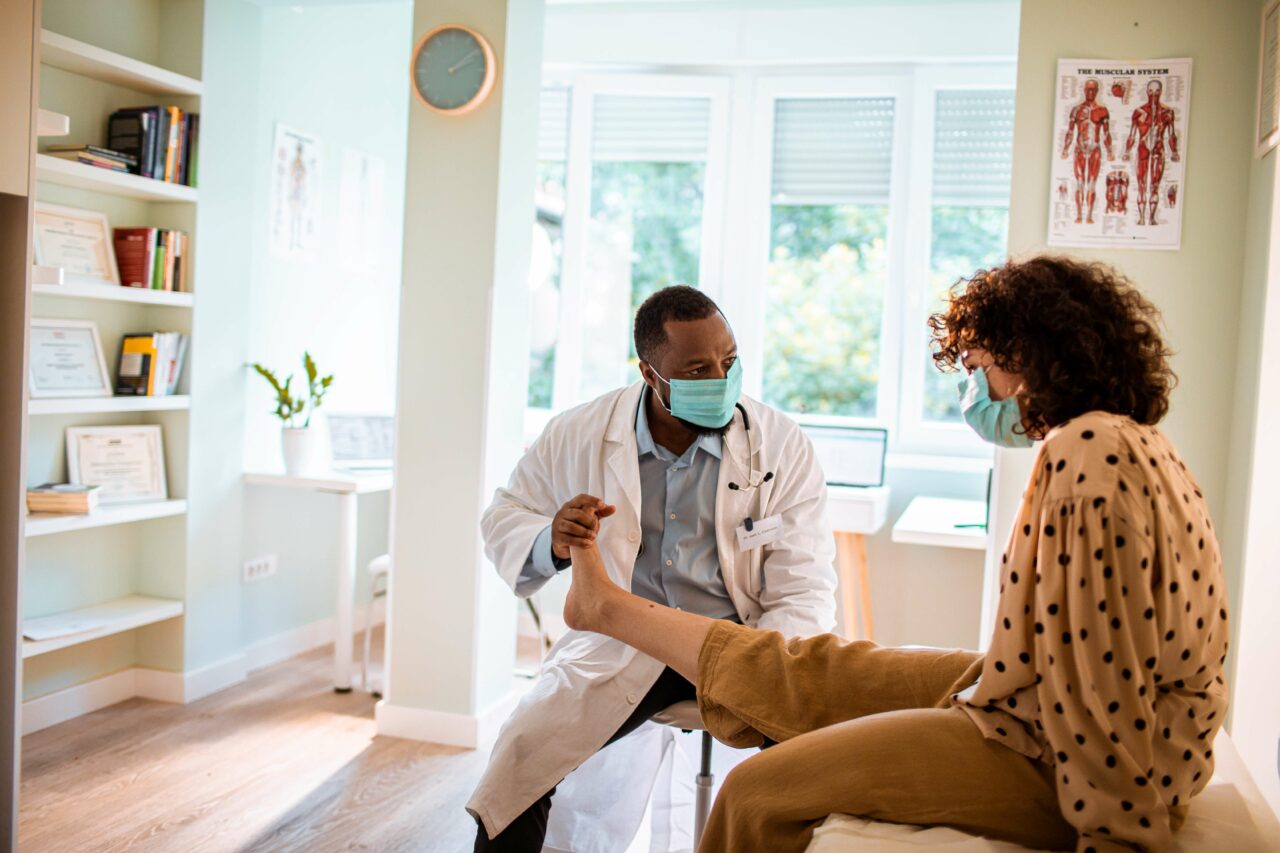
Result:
[{"x": 678, "y": 564}]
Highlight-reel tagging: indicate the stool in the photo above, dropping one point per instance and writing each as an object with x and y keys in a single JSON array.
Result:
[
  {"x": 379, "y": 568},
  {"x": 685, "y": 716}
]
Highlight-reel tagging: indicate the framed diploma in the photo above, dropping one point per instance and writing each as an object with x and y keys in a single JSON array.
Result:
[
  {"x": 76, "y": 241},
  {"x": 126, "y": 462},
  {"x": 66, "y": 360}
]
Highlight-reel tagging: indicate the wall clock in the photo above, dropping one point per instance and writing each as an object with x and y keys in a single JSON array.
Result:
[{"x": 452, "y": 69}]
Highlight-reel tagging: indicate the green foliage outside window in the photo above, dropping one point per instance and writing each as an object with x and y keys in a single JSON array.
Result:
[
  {"x": 827, "y": 274},
  {"x": 964, "y": 239}
]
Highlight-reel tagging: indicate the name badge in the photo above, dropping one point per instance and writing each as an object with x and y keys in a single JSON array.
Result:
[{"x": 766, "y": 531}]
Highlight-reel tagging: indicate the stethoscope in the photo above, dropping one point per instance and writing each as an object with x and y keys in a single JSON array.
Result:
[{"x": 751, "y": 454}]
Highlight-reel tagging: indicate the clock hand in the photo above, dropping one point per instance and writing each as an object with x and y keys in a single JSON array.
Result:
[{"x": 470, "y": 56}]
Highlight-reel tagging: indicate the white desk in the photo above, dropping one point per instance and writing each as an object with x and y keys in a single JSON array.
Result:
[
  {"x": 346, "y": 485},
  {"x": 944, "y": 522},
  {"x": 856, "y": 512}
]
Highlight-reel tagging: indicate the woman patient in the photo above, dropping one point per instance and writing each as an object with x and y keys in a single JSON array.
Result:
[{"x": 1089, "y": 723}]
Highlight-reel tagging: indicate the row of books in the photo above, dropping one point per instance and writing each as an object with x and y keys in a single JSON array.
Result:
[
  {"x": 150, "y": 364},
  {"x": 164, "y": 142},
  {"x": 153, "y": 258},
  {"x": 92, "y": 155}
]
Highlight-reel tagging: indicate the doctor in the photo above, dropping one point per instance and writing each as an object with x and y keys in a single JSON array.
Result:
[{"x": 720, "y": 510}]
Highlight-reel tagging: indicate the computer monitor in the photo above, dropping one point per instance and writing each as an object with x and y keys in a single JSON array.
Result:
[
  {"x": 362, "y": 441},
  {"x": 850, "y": 456}
]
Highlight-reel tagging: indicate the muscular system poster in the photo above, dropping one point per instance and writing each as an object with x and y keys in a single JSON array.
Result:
[{"x": 1120, "y": 148}]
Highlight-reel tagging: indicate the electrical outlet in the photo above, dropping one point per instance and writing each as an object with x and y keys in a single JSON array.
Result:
[{"x": 259, "y": 568}]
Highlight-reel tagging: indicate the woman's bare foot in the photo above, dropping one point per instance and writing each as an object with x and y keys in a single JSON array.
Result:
[{"x": 590, "y": 591}]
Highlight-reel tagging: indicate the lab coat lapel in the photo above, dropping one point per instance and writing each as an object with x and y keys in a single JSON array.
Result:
[{"x": 622, "y": 468}]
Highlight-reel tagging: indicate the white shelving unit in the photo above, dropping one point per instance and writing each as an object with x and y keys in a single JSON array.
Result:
[
  {"x": 47, "y": 523},
  {"x": 70, "y": 173},
  {"x": 103, "y": 405},
  {"x": 103, "y": 620},
  {"x": 88, "y": 60},
  {"x": 119, "y": 547},
  {"x": 109, "y": 292}
]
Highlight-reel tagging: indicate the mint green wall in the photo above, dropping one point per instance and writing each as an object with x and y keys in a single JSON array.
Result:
[{"x": 339, "y": 73}]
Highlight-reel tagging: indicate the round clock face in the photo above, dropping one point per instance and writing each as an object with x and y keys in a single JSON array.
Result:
[{"x": 453, "y": 69}]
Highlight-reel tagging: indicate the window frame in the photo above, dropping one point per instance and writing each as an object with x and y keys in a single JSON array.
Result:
[
  {"x": 915, "y": 434},
  {"x": 737, "y": 217},
  {"x": 584, "y": 88}
]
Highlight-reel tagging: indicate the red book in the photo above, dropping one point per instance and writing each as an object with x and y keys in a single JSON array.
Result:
[{"x": 134, "y": 248}]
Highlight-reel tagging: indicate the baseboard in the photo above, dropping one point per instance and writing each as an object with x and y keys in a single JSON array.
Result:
[
  {"x": 72, "y": 702},
  {"x": 280, "y": 647},
  {"x": 442, "y": 727},
  {"x": 180, "y": 687}
]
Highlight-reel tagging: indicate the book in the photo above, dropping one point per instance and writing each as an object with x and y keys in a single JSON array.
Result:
[
  {"x": 130, "y": 132},
  {"x": 193, "y": 148},
  {"x": 133, "y": 255},
  {"x": 163, "y": 140},
  {"x": 151, "y": 364},
  {"x": 63, "y": 498},
  {"x": 71, "y": 151}
]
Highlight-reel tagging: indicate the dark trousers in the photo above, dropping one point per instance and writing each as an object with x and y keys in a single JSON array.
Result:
[{"x": 525, "y": 834}]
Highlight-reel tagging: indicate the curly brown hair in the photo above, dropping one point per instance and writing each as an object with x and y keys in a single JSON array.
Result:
[{"x": 1080, "y": 335}]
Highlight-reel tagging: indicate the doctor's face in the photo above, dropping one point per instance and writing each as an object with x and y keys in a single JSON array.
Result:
[{"x": 695, "y": 349}]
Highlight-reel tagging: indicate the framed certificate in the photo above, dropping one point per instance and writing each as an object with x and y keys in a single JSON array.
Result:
[
  {"x": 76, "y": 241},
  {"x": 127, "y": 462},
  {"x": 66, "y": 360}
]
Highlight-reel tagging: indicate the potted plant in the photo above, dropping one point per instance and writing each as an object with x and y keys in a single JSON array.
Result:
[{"x": 302, "y": 443}]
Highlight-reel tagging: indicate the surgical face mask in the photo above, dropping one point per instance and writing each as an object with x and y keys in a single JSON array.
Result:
[
  {"x": 999, "y": 422},
  {"x": 706, "y": 402}
]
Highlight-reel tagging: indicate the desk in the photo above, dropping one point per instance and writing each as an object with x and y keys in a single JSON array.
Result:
[
  {"x": 347, "y": 486},
  {"x": 855, "y": 512},
  {"x": 944, "y": 522}
]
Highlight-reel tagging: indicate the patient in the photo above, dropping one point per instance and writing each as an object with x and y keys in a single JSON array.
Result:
[{"x": 1089, "y": 723}]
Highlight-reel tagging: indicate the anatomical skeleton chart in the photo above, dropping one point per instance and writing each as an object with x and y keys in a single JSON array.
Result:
[{"x": 1120, "y": 144}]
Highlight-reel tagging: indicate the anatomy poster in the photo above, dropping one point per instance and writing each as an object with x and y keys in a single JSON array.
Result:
[
  {"x": 1120, "y": 153},
  {"x": 295, "y": 191}
]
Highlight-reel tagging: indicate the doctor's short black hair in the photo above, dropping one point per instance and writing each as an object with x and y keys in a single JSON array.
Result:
[{"x": 680, "y": 303}]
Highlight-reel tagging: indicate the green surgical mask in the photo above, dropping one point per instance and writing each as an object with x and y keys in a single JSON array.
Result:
[{"x": 708, "y": 403}]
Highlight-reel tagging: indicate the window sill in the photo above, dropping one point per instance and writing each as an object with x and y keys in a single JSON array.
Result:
[{"x": 939, "y": 463}]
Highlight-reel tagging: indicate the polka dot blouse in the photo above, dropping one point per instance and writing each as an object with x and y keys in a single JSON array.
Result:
[{"x": 1111, "y": 633}]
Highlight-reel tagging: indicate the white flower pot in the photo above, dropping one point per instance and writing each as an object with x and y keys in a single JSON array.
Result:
[{"x": 303, "y": 451}]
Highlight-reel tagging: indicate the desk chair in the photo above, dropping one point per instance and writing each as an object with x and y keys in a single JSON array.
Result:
[
  {"x": 379, "y": 568},
  {"x": 685, "y": 716}
]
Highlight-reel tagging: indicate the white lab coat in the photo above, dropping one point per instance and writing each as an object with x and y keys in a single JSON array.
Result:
[{"x": 590, "y": 683}]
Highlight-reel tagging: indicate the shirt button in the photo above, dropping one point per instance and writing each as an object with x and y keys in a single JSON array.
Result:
[
  {"x": 668, "y": 562},
  {"x": 673, "y": 516},
  {"x": 631, "y": 698},
  {"x": 633, "y": 536}
]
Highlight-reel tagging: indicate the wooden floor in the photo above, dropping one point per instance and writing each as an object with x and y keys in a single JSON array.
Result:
[{"x": 278, "y": 763}]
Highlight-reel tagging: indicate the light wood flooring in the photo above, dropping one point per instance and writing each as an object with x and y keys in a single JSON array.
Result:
[{"x": 279, "y": 763}]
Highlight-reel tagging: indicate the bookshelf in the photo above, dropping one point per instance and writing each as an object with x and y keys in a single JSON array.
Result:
[
  {"x": 123, "y": 569},
  {"x": 110, "y": 617},
  {"x": 108, "y": 292},
  {"x": 68, "y": 173},
  {"x": 102, "y": 405},
  {"x": 47, "y": 524}
]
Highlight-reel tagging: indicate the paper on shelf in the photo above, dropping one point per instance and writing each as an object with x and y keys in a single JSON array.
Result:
[{"x": 60, "y": 625}]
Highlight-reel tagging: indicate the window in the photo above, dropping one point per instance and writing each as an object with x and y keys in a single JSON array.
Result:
[
  {"x": 969, "y": 212},
  {"x": 828, "y": 265},
  {"x": 829, "y": 219},
  {"x": 545, "y": 262}
]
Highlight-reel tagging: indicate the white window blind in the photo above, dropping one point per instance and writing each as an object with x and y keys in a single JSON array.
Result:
[
  {"x": 650, "y": 129},
  {"x": 972, "y": 148},
  {"x": 553, "y": 125},
  {"x": 832, "y": 150}
]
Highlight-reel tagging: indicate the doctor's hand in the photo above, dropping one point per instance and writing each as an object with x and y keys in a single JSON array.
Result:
[{"x": 577, "y": 523}]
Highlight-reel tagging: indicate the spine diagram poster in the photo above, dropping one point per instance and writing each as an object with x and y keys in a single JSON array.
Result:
[{"x": 1120, "y": 153}]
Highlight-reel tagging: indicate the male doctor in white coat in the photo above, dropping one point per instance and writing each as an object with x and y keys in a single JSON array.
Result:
[{"x": 719, "y": 508}]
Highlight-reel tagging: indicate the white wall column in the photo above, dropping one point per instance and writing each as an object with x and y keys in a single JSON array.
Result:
[{"x": 463, "y": 368}]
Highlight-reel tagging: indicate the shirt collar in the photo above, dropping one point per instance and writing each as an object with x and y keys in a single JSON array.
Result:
[{"x": 706, "y": 442}]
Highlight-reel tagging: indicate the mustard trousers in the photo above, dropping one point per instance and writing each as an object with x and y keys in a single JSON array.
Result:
[{"x": 862, "y": 730}]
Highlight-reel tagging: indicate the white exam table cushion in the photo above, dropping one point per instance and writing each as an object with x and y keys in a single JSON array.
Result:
[{"x": 1230, "y": 814}]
